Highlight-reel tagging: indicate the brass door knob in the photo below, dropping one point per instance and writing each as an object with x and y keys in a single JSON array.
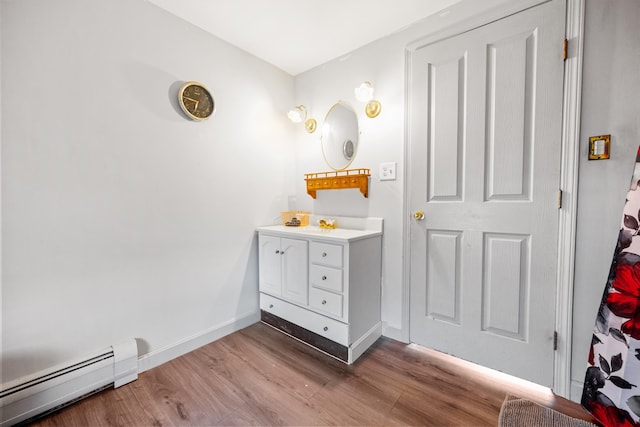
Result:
[{"x": 418, "y": 215}]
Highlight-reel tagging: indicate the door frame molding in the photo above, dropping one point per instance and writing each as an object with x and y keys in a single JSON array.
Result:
[
  {"x": 571, "y": 112},
  {"x": 572, "y": 92}
]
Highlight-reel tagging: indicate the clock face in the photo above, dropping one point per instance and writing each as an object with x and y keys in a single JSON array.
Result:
[{"x": 196, "y": 101}]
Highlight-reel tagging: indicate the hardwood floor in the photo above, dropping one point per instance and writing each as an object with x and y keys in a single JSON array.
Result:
[{"x": 259, "y": 376}]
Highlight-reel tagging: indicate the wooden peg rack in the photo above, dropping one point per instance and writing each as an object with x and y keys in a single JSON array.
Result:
[{"x": 338, "y": 180}]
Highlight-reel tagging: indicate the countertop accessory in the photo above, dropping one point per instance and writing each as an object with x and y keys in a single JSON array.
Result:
[
  {"x": 295, "y": 218},
  {"x": 328, "y": 224}
]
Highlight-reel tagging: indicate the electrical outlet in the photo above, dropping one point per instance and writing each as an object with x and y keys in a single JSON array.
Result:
[{"x": 388, "y": 171}]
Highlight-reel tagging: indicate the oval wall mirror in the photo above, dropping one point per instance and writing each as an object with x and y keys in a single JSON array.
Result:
[{"x": 340, "y": 135}]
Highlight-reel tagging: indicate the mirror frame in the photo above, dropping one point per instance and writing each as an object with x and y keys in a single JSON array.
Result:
[{"x": 342, "y": 150}]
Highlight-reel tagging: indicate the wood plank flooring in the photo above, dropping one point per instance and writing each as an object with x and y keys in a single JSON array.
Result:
[{"x": 259, "y": 376}]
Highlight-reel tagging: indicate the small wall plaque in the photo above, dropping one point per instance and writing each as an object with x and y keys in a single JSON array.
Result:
[{"x": 599, "y": 147}]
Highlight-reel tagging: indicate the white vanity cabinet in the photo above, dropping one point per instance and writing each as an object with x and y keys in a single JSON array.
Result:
[{"x": 323, "y": 286}]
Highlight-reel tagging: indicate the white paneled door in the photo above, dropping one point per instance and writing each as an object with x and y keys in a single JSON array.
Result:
[{"x": 485, "y": 121}]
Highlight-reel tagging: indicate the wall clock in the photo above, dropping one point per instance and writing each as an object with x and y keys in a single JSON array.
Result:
[{"x": 196, "y": 101}]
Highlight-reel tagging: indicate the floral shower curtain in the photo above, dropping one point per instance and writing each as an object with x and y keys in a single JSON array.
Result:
[{"x": 612, "y": 383}]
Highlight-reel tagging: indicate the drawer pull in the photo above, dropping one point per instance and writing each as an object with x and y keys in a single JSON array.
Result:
[
  {"x": 270, "y": 305},
  {"x": 324, "y": 301},
  {"x": 324, "y": 277},
  {"x": 324, "y": 254},
  {"x": 325, "y": 329}
]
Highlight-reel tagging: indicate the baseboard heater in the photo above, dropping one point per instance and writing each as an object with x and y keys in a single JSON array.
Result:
[{"x": 49, "y": 390}]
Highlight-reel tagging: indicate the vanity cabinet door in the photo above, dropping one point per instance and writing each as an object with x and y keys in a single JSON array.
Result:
[
  {"x": 270, "y": 265},
  {"x": 283, "y": 268},
  {"x": 295, "y": 270}
]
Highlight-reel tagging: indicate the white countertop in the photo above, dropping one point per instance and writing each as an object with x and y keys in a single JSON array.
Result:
[{"x": 359, "y": 228}]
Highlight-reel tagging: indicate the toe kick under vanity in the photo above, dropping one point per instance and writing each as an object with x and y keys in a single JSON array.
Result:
[{"x": 323, "y": 286}]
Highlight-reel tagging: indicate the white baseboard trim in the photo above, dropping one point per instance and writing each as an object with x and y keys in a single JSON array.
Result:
[
  {"x": 393, "y": 333},
  {"x": 361, "y": 345},
  {"x": 163, "y": 355},
  {"x": 576, "y": 390}
]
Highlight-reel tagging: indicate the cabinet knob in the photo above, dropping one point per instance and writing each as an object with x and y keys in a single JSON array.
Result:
[
  {"x": 324, "y": 277},
  {"x": 277, "y": 252},
  {"x": 325, "y": 328},
  {"x": 324, "y": 254},
  {"x": 324, "y": 301},
  {"x": 270, "y": 305}
]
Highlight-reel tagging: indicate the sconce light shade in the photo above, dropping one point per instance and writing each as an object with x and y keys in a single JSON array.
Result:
[
  {"x": 364, "y": 93},
  {"x": 298, "y": 114}
]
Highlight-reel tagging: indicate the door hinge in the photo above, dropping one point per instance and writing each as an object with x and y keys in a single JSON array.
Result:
[
  {"x": 559, "y": 199},
  {"x": 555, "y": 340},
  {"x": 564, "y": 49}
]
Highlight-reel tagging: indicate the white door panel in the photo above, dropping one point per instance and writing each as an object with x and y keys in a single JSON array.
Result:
[{"x": 485, "y": 111}]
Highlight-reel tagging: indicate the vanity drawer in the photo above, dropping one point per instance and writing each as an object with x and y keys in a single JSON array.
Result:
[
  {"x": 322, "y": 325},
  {"x": 326, "y": 277},
  {"x": 326, "y": 254},
  {"x": 325, "y": 301}
]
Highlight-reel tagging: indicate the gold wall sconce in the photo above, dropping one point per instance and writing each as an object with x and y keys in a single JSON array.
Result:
[
  {"x": 364, "y": 93},
  {"x": 299, "y": 114}
]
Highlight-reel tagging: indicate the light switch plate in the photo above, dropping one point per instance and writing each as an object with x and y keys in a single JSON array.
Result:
[{"x": 388, "y": 171}]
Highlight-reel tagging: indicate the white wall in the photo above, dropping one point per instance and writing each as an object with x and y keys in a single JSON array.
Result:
[
  {"x": 611, "y": 86},
  {"x": 121, "y": 218}
]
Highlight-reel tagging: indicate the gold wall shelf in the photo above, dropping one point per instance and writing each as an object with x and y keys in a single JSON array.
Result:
[{"x": 338, "y": 180}]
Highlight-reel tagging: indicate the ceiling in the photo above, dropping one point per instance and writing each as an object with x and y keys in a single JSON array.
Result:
[{"x": 297, "y": 35}]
